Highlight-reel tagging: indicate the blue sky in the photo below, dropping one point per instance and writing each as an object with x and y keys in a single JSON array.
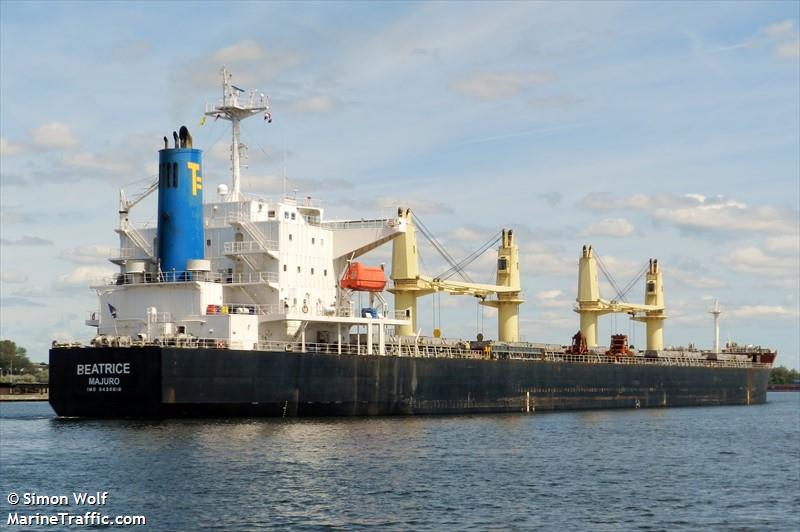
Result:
[{"x": 667, "y": 130}]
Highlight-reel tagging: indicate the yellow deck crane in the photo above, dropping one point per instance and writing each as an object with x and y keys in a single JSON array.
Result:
[
  {"x": 409, "y": 284},
  {"x": 590, "y": 305}
]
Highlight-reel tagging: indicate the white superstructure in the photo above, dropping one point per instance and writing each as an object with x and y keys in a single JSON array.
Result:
[{"x": 271, "y": 270}]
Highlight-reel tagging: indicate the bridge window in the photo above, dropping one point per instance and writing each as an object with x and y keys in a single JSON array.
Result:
[
  {"x": 284, "y": 267},
  {"x": 312, "y": 271},
  {"x": 294, "y": 216},
  {"x": 286, "y": 215},
  {"x": 208, "y": 242},
  {"x": 325, "y": 273},
  {"x": 312, "y": 240},
  {"x": 290, "y": 237},
  {"x": 298, "y": 269},
  {"x": 271, "y": 214}
]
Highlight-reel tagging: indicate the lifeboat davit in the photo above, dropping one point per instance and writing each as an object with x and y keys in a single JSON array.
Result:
[{"x": 363, "y": 278}]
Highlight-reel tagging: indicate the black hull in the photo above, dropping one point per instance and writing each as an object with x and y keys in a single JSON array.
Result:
[{"x": 174, "y": 382}]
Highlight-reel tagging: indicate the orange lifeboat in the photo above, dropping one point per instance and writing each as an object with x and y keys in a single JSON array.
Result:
[{"x": 363, "y": 278}]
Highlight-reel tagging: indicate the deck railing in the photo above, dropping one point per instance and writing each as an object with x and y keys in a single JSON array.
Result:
[
  {"x": 251, "y": 278},
  {"x": 404, "y": 348},
  {"x": 188, "y": 277},
  {"x": 391, "y": 349},
  {"x": 462, "y": 350},
  {"x": 663, "y": 360},
  {"x": 249, "y": 246},
  {"x": 356, "y": 224}
]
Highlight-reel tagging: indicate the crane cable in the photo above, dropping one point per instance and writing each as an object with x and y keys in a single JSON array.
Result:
[
  {"x": 621, "y": 293},
  {"x": 440, "y": 248},
  {"x": 469, "y": 259},
  {"x": 608, "y": 276},
  {"x": 628, "y": 287}
]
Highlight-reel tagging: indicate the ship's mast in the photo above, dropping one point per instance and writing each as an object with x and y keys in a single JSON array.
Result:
[
  {"x": 716, "y": 311},
  {"x": 235, "y": 109}
]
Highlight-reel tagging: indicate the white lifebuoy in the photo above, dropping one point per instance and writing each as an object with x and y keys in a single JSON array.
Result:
[{"x": 305, "y": 309}]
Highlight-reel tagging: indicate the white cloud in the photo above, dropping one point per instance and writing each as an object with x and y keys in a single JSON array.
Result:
[
  {"x": 622, "y": 270},
  {"x": 754, "y": 261},
  {"x": 789, "y": 50},
  {"x": 548, "y": 294},
  {"x": 469, "y": 234},
  {"x": 784, "y": 244},
  {"x": 729, "y": 217},
  {"x": 55, "y": 135},
  {"x": 32, "y": 291},
  {"x": 697, "y": 197},
  {"x": 26, "y": 240},
  {"x": 762, "y": 311},
  {"x": 599, "y": 201},
  {"x": 133, "y": 158},
  {"x": 242, "y": 51},
  {"x": 488, "y": 86},
  {"x": 247, "y": 60},
  {"x": 785, "y": 33},
  {"x": 695, "y": 212},
  {"x": 10, "y": 214},
  {"x": 272, "y": 184},
  {"x": 13, "y": 276},
  {"x": 87, "y": 254},
  {"x": 314, "y": 104},
  {"x": 82, "y": 277},
  {"x": 614, "y": 227},
  {"x": 779, "y": 28},
  {"x": 9, "y": 148},
  {"x": 694, "y": 280},
  {"x": 551, "y": 320},
  {"x": 539, "y": 259},
  {"x": 90, "y": 161},
  {"x": 392, "y": 203},
  {"x": 466, "y": 34},
  {"x": 552, "y": 299},
  {"x": 18, "y": 302}
]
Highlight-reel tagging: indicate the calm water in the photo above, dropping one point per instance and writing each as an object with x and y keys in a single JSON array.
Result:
[{"x": 718, "y": 468}]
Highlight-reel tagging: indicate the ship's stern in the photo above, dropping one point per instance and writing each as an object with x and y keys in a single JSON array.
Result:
[{"x": 105, "y": 381}]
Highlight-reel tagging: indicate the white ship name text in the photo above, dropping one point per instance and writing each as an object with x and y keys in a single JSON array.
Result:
[{"x": 120, "y": 368}]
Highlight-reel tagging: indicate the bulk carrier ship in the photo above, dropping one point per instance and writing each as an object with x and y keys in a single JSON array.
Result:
[{"x": 248, "y": 307}]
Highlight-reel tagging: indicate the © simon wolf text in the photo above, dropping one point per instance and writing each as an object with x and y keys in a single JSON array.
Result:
[{"x": 64, "y": 510}]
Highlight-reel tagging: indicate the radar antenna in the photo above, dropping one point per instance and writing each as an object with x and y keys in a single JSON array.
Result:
[{"x": 235, "y": 107}]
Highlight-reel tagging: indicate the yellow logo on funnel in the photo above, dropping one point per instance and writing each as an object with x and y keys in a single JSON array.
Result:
[{"x": 197, "y": 181}]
